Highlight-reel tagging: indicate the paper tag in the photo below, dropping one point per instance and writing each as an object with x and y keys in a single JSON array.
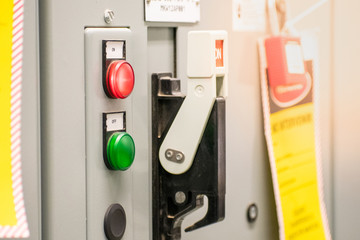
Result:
[
  {"x": 13, "y": 221},
  {"x": 291, "y": 137},
  {"x": 294, "y": 58},
  {"x": 249, "y": 15},
  {"x": 187, "y": 11}
]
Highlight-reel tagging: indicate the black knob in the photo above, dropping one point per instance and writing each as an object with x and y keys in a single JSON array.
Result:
[{"x": 115, "y": 222}]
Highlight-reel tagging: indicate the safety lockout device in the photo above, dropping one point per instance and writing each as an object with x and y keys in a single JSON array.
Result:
[
  {"x": 189, "y": 137},
  {"x": 289, "y": 80}
]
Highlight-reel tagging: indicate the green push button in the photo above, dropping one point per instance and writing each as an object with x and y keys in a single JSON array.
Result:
[{"x": 120, "y": 151}]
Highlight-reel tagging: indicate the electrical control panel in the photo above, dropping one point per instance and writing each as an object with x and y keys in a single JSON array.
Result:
[{"x": 98, "y": 133}]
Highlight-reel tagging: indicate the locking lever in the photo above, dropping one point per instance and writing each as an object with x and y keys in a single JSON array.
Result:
[
  {"x": 176, "y": 196},
  {"x": 189, "y": 138}
]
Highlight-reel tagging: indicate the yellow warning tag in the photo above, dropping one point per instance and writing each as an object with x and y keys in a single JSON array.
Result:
[
  {"x": 290, "y": 132},
  {"x": 293, "y": 140},
  {"x": 7, "y": 206}
]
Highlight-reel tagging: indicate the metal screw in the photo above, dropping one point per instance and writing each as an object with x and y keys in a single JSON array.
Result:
[
  {"x": 252, "y": 213},
  {"x": 168, "y": 154},
  {"x": 179, "y": 156},
  {"x": 180, "y": 197},
  {"x": 109, "y": 15}
]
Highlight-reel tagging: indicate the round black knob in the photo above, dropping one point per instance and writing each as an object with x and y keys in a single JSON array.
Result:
[{"x": 115, "y": 222}]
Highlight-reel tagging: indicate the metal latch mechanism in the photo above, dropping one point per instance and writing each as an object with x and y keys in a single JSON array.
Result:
[{"x": 189, "y": 138}]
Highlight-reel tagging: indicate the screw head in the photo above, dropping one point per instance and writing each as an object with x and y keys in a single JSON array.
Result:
[
  {"x": 169, "y": 154},
  {"x": 252, "y": 213},
  {"x": 199, "y": 90},
  {"x": 109, "y": 15},
  {"x": 179, "y": 156},
  {"x": 180, "y": 197}
]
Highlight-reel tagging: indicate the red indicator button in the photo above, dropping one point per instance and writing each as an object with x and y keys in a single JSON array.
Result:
[{"x": 120, "y": 79}]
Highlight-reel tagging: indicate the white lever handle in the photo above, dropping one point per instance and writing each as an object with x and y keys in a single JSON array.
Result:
[{"x": 207, "y": 71}]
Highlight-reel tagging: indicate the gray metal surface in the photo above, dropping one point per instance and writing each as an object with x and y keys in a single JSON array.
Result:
[
  {"x": 346, "y": 119},
  {"x": 63, "y": 114},
  {"x": 65, "y": 182}
]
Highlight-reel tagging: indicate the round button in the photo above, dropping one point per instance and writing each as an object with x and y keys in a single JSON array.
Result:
[
  {"x": 115, "y": 222},
  {"x": 120, "y": 79},
  {"x": 120, "y": 151}
]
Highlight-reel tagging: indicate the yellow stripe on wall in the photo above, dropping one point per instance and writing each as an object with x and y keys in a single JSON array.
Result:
[{"x": 7, "y": 206}]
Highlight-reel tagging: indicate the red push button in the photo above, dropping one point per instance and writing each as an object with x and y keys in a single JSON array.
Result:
[{"x": 120, "y": 79}]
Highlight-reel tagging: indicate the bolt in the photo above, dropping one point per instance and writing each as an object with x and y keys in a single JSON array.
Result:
[
  {"x": 252, "y": 213},
  {"x": 109, "y": 16},
  {"x": 180, "y": 197},
  {"x": 179, "y": 156},
  {"x": 169, "y": 154},
  {"x": 199, "y": 90}
]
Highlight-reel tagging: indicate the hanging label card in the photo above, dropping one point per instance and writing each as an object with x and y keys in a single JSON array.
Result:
[
  {"x": 288, "y": 93},
  {"x": 186, "y": 11}
]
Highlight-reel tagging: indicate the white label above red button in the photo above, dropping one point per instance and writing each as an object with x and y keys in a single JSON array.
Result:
[{"x": 115, "y": 50}]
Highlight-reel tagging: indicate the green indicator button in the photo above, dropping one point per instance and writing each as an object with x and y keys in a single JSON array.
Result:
[{"x": 120, "y": 151}]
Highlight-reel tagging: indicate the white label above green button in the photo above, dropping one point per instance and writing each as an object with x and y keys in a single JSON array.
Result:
[{"x": 115, "y": 122}]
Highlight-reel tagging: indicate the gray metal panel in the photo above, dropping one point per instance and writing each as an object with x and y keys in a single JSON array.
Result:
[
  {"x": 161, "y": 50},
  {"x": 62, "y": 122},
  {"x": 63, "y": 113},
  {"x": 346, "y": 119}
]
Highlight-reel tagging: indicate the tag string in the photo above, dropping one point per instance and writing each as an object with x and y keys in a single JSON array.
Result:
[
  {"x": 273, "y": 17},
  {"x": 304, "y": 14},
  {"x": 274, "y": 21}
]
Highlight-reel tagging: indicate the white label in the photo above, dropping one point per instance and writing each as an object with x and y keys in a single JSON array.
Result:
[
  {"x": 294, "y": 58},
  {"x": 172, "y": 11},
  {"x": 115, "y": 122},
  {"x": 115, "y": 50},
  {"x": 249, "y": 15}
]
